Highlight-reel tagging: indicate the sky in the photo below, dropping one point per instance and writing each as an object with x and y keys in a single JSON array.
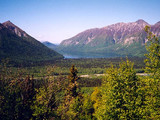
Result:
[{"x": 57, "y": 20}]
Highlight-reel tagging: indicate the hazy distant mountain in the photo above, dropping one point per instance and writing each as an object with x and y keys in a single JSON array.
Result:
[
  {"x": 50, "y": 45},
  {"x": 18, "y": 46},
  {"x": 118, "y": 39}
]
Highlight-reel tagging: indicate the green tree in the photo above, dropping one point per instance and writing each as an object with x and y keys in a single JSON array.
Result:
[
  {"x": 153, "y": 69},
  {"x": 87, "y": 108},
  {"x": 73, "y": 85},
  {"x": 71, "y": 107},
  {"x": 96, "y": 97},
  {"x": 120, "y": 94},
  {"x": 44, "y": 103},
  {"x": 153, "y": 56}
]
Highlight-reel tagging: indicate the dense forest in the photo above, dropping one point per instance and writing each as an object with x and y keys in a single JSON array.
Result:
[{"x": 42, "y": 92}]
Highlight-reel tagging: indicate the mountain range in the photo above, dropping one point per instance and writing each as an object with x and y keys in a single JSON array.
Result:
[
  {"x": 120, "y": 39},
  {"x": 19, "y": 47},
  {"x": 116, "y": 40}
]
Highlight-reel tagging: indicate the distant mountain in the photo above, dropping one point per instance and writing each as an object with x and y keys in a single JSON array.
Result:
[
  {"x": 20, "y": 47},
  {"x": 115, "y": 40},
  {"x": 50, "y": 45}
]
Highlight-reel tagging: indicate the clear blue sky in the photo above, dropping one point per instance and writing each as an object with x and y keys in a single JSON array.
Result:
[{"x": 56, "y": 20}]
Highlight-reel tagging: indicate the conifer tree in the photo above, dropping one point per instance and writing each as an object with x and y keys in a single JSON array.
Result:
[
  {"x": 72, "y": 104},
  {"x": 73, "y": 85}
]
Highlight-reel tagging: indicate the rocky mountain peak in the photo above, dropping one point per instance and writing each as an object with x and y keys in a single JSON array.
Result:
[
  {"x": 156, "y": 28},
  {"x": 158, "y": 23},
  {"x": 141, "y": 21},
  {"x": 8, "y": 24},
  {"x": 118, "y": 33}
]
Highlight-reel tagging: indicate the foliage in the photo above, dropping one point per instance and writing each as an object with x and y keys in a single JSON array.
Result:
[
  {"x": 70, "y": 96},
  {"x": 153, "y": 68},
  {"x": 45, "y": 92},
  {"x": 44, "y": 103},
  {"x": 17, "y": 95},
  {"x": 120, "y": 96},
  {"x": 153, "y": 56}
]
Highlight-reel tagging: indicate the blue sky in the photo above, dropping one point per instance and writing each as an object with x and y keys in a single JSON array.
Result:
[{"x": 56, "y": 20}]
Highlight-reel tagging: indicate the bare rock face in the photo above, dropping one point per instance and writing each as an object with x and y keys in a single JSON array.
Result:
[
  {"x": 119, "y": 33},
  {"x": 15, "y": 29},
  {"x": 156, "y": 28}
]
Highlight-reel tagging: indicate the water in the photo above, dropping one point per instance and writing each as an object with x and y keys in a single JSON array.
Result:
[{"x": 69, "y": 56}]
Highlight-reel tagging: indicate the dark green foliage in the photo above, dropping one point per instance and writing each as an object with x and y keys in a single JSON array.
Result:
[
  {"x": 90, "y": 82},
  {"x": 73, "y": 85},
  {"x": 17, "y": 95}
]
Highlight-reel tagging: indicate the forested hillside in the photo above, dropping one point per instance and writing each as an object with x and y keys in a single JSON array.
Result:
[{"x": 19, "y": 47}]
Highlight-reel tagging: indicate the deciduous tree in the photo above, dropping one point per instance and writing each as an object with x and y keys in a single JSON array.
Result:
[{"x": 153, "y": 69}]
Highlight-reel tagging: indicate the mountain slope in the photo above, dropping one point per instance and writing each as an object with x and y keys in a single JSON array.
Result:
[
  {"x": 115, "y": 40},
  {"x": 49, "y": 45},
  {"x": 18, "y": 46}
]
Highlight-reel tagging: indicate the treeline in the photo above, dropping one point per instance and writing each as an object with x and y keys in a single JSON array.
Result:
[
  {"x": 120, "y": 95},
  {"x": 84, "y": 66}
]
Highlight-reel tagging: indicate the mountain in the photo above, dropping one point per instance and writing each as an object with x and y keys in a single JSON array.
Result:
[
  {"x": 20, "y": 47},
  {"x": 50, "y": 45},
  {"x": 115, "y": 40}
]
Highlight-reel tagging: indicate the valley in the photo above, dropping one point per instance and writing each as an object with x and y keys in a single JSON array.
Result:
[
  {"x": 79, "y": 60},
  {"x": 116, "y": 40},
  {"x": 37, "y": 82}
]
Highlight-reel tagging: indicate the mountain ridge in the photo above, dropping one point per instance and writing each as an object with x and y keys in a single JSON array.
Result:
[
  {"x": 15, "y": 29},
  {"x": 20, "y": 47},
  {"x": 119, "y": 36},
  {"x": 49, "y": 44}
]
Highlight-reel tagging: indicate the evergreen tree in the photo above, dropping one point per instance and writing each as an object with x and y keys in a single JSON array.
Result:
[
  {"x": 72, "y": 104},
  {"x": 73, "y": 85}
]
